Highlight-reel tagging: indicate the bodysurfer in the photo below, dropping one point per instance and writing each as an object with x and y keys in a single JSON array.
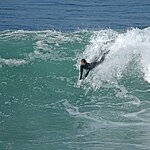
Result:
[{"x": 89, "y": 66}]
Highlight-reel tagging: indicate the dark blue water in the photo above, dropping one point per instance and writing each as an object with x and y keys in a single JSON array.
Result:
[{"x": 69, "y": 15}]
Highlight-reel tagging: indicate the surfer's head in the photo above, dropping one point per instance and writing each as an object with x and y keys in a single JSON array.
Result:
[{"x": 83, "y": 62}]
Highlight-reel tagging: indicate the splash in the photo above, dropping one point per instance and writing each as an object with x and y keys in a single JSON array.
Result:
[{"x": 125, "y": 48}]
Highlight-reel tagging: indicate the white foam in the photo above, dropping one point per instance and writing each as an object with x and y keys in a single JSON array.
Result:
[
  {"x": 147, "y": 73},
  {"x": 12, "y": 62},
  {"x": 76, "y": 112},
  {"x": 124, "y": 47}
]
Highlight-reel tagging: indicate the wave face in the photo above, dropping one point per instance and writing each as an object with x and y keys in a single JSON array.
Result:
[{"x": 44, "y": 106}]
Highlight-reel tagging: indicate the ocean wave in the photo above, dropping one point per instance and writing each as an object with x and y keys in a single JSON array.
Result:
[
  {"x": 126, "y": 47},
  {"x": 39, "y": 78}
]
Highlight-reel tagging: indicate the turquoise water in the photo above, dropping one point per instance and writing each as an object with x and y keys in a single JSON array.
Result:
[{"x": 44, "y": 106}]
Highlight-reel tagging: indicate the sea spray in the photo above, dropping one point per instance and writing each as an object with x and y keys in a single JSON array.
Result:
[{"x": 124, "y": 48}]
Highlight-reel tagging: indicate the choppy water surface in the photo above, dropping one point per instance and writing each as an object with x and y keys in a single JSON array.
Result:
[{"x": 44, "y": 106}]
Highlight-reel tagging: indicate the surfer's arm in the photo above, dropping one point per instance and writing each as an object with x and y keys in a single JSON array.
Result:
[
  {"x": 81, "y": 72},
  {"x": 87, "y": 73}
]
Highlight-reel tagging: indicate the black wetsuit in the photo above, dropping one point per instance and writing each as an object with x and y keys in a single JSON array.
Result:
[{"x": 90, "y": 66}]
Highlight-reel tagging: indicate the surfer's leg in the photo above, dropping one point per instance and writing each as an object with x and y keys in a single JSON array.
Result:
[
  {"x": 96, "y": 63},
  {"x": 102, "y": 59}
]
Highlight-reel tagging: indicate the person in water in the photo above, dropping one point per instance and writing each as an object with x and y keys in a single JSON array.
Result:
[{"x": 89, "y": 66}]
